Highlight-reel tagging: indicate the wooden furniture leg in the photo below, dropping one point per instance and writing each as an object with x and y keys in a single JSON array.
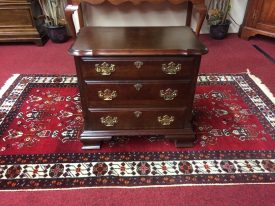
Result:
[
  {"x": 186, "y": 139},
  {"x": 92, "y": 142}
]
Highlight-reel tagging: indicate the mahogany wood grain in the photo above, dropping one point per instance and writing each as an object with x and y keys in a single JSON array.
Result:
[
  {"x": 151, "y": 67},
  {"x": 127, "y": 119},
  {"x": 149, "y": 95},
  {"x": 136, "y": 41},
  {"x": 138, "y": 108}
]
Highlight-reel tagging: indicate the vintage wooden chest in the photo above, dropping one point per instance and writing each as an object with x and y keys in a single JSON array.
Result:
[{"x": 137, "y": 81}]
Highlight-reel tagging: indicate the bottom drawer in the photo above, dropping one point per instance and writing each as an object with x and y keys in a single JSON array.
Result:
[{"x": 134, "y": 118}]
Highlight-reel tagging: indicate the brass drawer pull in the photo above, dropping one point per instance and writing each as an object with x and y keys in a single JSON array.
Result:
[
  {"x": 171, "y": 68},
  {"x": 168, "y": 94},
  {"x": 105, "y": 69},
  {"x": 107, "y": 94},
  {"x": 165, "y": 120},
  {"x": 138, "y": 64},
  {"x": 109, "y": 121}
]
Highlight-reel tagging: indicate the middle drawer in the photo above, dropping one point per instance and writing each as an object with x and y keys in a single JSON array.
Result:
[{"x": 136, "y": 94}]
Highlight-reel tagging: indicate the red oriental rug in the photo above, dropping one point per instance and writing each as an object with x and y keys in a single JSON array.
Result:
[{"x": 41, "y": 119}]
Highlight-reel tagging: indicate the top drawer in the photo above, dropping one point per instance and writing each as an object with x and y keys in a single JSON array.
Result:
[{"x": 141, "y": 68}]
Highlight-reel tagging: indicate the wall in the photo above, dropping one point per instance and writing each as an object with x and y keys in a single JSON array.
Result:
[{"x": 147, "y": 14}]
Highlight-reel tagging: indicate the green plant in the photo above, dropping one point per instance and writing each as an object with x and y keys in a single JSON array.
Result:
[
  {"x": 218, "y": 12},
  {"x": 53, "y": 11}
]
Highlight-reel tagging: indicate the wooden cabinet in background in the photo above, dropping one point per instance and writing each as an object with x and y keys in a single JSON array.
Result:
[
  {"x": 17, "y": 22},
  {"x": 259, "y": 19}
]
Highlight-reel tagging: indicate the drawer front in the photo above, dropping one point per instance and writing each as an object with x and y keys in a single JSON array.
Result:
[
  {"x": 137, "y": 68},
  {"x": 137, "y": 94},
  {"x": 136, "y": 119},
  {"x": 14, "y": 16}
]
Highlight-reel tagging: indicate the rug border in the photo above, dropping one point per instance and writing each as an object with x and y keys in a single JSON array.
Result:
[
  {"x": 9, "y": 82},
  {"x": 262, "y": 86}
]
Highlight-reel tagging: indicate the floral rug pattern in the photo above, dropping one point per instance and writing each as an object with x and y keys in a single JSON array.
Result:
[{"x": 41, "y": 120}]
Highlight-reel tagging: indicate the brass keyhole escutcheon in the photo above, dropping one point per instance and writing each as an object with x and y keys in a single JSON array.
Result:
[
  {"x": 138, "y": 86},
  {"x": 137, "y": 114},
  {"x": 138, "y": 64}
]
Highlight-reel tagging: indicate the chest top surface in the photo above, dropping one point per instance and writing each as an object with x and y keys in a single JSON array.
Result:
[{"x": 134, "y": 41}]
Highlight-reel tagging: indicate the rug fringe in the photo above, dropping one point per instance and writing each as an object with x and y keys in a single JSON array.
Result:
[
  {"x": 262, "y": 86},
  {"x": 7, "y": 84}
]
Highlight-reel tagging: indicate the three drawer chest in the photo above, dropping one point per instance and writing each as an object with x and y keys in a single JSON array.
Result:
[{"x": 137, "y": 81}]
